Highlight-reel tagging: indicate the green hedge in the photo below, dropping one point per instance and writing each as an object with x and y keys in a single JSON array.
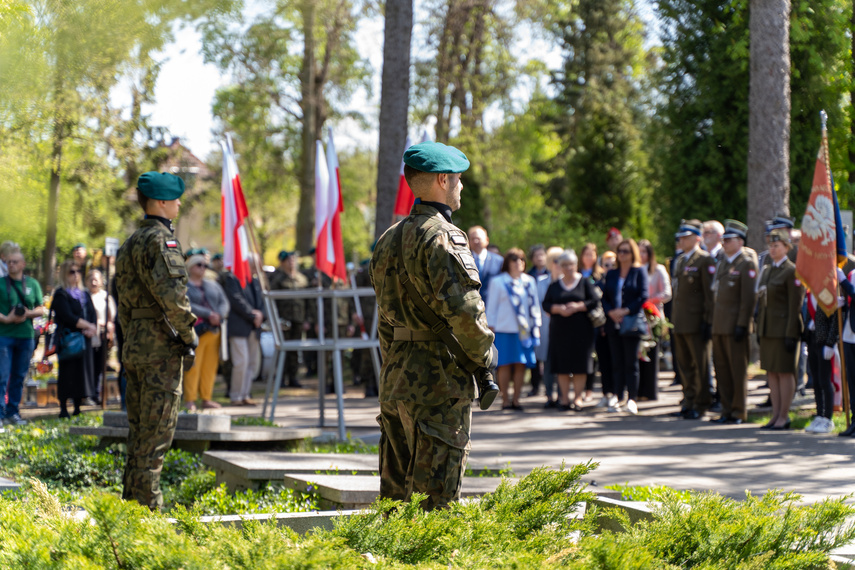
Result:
[{"x": 527, "y": 525}]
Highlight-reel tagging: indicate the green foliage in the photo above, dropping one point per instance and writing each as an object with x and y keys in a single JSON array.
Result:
[
  {"x": 699, "y": 134},
  {"x": 771, "y": 531},
  {"x": 349, "y": 445},
  {"x": 216, "y": 500},
  {"x": 519, "y": 525},
  {"x": 599, "y": 116},
  {"x": 252, "y": 421},
  {"x": 647, "y": 492}
]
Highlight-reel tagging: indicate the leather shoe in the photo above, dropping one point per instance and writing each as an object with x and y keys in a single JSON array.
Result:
[
  {"x": 679, "y": 414},
  {"x": 692, "y": 415},
  {"x": 733, "y": 421},
  {"x": 848, "y": 432},
  {"x": 719, "y": 420}
]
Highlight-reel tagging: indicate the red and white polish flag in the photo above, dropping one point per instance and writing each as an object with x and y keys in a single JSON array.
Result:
[
  {"x": 328, "y": 207},
  {"x": 405, "y": 199},
  {"x": 234, "y": 214}
]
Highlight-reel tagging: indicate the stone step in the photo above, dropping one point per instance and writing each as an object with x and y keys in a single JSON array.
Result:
[
  {"x": 251, "y": 470},
  {"x": 8, "y": 485},
  {"x": 186, "y": 422}
]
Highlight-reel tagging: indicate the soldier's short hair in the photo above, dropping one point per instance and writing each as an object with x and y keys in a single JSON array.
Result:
[
  {"x": 419, "y": 181},
  {"x": 142, "y": 200}
]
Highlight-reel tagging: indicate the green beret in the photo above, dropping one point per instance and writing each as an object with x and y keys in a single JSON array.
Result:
[
  {"x": 217, "y": 256},
  {"x": 160, "y": 186},
  {"x": 79, "y": 246},
  {"x": 283, "y": 255},
  {"x": 436, "y": 158}
]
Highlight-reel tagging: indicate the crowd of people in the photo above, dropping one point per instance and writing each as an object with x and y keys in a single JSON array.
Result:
[
  {"x": 566, "y": 319},
  {"x": 573, "y": 315}
]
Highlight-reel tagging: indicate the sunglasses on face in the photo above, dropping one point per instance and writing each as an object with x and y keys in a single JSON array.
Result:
[
  {"x": 73, "y": 271},
  {"x": 200, "y": 265},
  {"x": 624, "y": 251}
]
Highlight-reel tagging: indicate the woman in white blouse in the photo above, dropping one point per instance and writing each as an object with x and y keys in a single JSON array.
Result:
[
  {"x": 513, "y": 313},
  {"x": 106, "y": 328},
  {"x": 659, "y": 287}
]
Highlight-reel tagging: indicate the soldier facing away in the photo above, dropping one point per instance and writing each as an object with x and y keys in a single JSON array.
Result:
[
  {"x": 157, "y": 323},
  {"x": 425, "y": 393}
]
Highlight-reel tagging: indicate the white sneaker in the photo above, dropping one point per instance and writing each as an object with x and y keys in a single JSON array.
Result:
[
  {"x": 631, "y": 407},
  {"x": 814, "y": 424},
  {"x": 613, "y": 401},
  {"x": 615, "y": 408},
  {"x": 604, "y": 402},
  {"x": 826, "y": 426}
]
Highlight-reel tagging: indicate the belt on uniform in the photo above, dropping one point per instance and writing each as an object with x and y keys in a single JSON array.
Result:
[
  {"x": 405, "y": 334},
  {"x": 144, "y": 314}
]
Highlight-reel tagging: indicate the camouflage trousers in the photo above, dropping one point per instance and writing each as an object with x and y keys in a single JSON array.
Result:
[
  {"x": 424, "y": 449},
  {"x": 153, "y": 397}
]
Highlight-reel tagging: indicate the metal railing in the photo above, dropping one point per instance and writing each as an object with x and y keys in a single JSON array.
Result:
[{"x": 322, "y": 344}]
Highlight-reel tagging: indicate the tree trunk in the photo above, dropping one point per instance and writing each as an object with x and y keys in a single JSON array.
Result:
[
  {"x": 769, "y": 116},
  {"x": 49, "y": 259},
  {"x": 306, "y": 216},
  {"x": 394, "y": 107},
  {"x": 852, "y": 104}
]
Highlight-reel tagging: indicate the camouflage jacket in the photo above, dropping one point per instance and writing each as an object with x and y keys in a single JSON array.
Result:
[
  {"x": 293, "y": 310},
  {"x": 150, "y": 274},
  {"x": 443, "y": 270}
]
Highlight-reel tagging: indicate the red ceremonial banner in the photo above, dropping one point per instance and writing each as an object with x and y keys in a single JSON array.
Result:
[{"x": 816, "y": 263}]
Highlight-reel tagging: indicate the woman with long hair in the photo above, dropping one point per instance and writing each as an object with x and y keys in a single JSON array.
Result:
[
  {"x": 513, "y": 313},
  {"x": 625, "y": 292}
]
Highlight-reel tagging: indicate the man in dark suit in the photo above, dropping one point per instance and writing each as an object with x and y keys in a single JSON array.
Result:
[
  {"x": 692, "y": 318},
  {"x": 736, "y": 278},
  {"x": 489, "y": 264},
  {"x": 244, "y": 326}
]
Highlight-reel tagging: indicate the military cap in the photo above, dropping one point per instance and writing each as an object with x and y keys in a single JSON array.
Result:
[
  {"x": 312, "y": 251},
  {"x": 217, "y": 256},
  {"x": 612, "y": 233},
  {"x": 160, "y": 186},
  {"x": 689, "y": 227},
  {"x": 283, "y": 255},
  {"x": 780, "y": 221},
  {"x": 79, "y": 246},
  {"x": 734, "y": 228},
  {"x": 780, "y": 234},
  {"x": 436, "y": 158}
]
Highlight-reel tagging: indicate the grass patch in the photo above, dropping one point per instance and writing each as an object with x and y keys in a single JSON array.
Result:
[
  {"x": 350, "y": 445},
  {"x": 252, "y": 421},
  {"x": 647, "y": 493}
]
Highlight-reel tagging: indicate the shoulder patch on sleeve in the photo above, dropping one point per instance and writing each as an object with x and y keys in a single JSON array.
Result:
[
  {"x": 458, "y": 239},
  {"x": 171, "y": 243},
  {"x": 174, "y": 263}
]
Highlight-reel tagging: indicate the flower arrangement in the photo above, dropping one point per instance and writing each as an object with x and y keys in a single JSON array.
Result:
[{"x": 657, "y": 325}]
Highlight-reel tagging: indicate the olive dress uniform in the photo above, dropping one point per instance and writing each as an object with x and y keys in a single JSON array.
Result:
[
  {"x": 780, "y": 296},
  {"x": 425, "y": 393},
  {"x": 294, "y": 311},
  {"x": 691, "y": 315},
  {"x": 151, "y": 282},
  {"x": 732, "y": 319}
]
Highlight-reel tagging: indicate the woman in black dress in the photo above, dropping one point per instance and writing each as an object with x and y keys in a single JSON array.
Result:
[
  {"x": 571, "y": 334},
  {"x": 74, "y": 311}
]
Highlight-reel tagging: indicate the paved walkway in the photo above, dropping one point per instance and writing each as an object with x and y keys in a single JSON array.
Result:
[{"x": 649, "y": 449}]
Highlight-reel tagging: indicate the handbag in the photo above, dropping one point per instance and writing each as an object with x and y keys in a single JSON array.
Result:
[
  {"x": 634, "y": 325},
  {"x": 71, "y": 344},
  {"x": 597, "y": 316}
]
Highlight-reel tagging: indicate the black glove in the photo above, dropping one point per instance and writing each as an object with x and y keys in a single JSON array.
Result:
[
  {"x": 706, "y": 331},
  {"x": 494, "y": 358},
  {"x": 188, "y": 359},
  {"x": 739, "y": 334},
  {"x": 790, "y": 344}
]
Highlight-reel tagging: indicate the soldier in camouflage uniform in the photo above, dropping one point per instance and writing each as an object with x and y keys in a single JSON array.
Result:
[
  {"x": 425, "y": 394},
  {"x": 155, "y": 317},
  {"x": 287, "y": 277}
]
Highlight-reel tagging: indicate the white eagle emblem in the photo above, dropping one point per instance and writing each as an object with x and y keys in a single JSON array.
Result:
[{"x": 819, "y": 220}]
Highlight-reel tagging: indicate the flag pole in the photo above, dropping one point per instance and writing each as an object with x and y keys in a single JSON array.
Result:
[{"x": 823, "y": 116}]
